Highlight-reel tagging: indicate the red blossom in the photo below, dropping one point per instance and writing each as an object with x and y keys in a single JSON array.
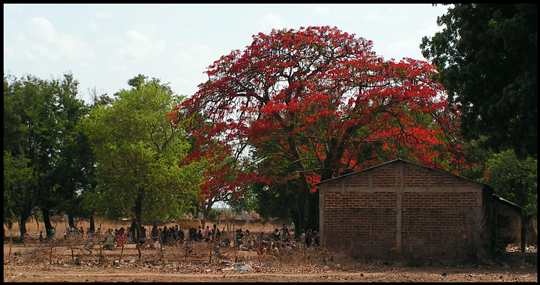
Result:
[{"x": 316, "y": 101}]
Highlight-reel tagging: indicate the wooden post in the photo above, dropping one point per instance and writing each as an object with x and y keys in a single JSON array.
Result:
[{"x": 523, "y": 230}]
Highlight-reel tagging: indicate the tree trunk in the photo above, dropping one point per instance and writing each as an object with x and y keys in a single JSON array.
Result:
[
  {"x": 26, "y": 212},
  {"x": 46, "y": 220},
  {"x": 297, "y": 230},
  {"x": 22, "y": 225},
  {"x": 92, "y": 224},
  {"x": 303, "y": 190},
  {"x": 138, "y": 216},
  {"x": 301, "y": 204},
  {"x": 313, "y": 198},
  {"x": 71, "y": 223},
  {"x": 313, "y": 205},
  {"x": 133, "y": 230},
  {"x": 206, "y": 213},
  {"x": 313, "y": 211}
]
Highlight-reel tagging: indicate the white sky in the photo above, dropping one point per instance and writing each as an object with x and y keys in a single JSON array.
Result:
[{"x": 104, "y": 45}]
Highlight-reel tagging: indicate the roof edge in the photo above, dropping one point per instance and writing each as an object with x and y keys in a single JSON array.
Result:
[
  {"x": 405, "y": 161},
  {"x": 486, "y": 186},
  {"x": 508, "y": 202}
]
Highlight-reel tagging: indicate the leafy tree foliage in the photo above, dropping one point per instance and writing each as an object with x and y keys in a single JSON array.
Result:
[
  {"x": 486, "y": 56},
  {"x": 514, "y": 179},
  {"x": 213, "y": 183},
  {"x": 275, "y": 202},
  {"x": 314, "y": 102},
  {"x": 19, "y": 186},
  {"x": 40, "y": 119},
  {"x": 247, "y": 202},
  {"x": 138, "y": 151}
]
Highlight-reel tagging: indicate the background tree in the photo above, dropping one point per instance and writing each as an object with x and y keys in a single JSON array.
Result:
[
  {"x": 90, "y": 201},
  {"x": 278, "y": 201},
  {"x": 74, "y": 175},
  {"x": 19, "y": 175},
  {"x": 40, "y": 117},
  {"x": 514, "y": 179},
  {"x": 138, "y": 150},
  {"x": 73, "y": 172},
  {"x": 25, "y": 132},
  {"x": 248, "y": 202},
  {"x": 19, "y": 184},
  {"x": 315, "y": 102},
  {"x": 486, "y": 56}
]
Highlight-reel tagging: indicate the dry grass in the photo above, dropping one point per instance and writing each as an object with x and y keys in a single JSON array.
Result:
[{"x": 74, "y": 250}]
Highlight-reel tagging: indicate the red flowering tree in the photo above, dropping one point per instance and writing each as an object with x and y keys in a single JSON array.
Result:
[{"x": 312, "y": 103}]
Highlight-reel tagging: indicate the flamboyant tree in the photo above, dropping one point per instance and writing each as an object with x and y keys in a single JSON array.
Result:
[{"x": 312, "y": 103}]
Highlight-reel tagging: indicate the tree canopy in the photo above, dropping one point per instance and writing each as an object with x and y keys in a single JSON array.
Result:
[
  {"x": 486, "y": 57},
  {"x": 40, "y": 130},
  {"x": 312, "y": 103},
  {"x": 514, "y": 179},
  {"x": 138, "y": 151}
]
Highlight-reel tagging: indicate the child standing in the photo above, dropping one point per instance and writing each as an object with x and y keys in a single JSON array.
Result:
[{"x": 40, "y": 236}]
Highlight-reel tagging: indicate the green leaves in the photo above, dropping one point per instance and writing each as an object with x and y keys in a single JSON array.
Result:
[
  {"x": 138, "y": 151},
  {"x": 19, "y": 184},
  {"x": 40, "y": 128},
  {"x": 487, "y": 59},
  {"x": 514, "y": 179}
]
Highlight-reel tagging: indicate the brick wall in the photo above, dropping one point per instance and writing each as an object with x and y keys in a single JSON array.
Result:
[
  {"x": 359, "y": 220},
  {"x": 507, "y": 230},
  {"x": 400, "y": 210}
]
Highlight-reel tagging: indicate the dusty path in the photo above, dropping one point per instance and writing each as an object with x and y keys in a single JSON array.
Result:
[
  {"x": 74, "y": 274},
  {"x": 25, "y": 267}
]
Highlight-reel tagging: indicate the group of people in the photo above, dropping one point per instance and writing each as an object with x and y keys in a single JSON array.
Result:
[
  {"x": 167, "y": 235},
  {"x": 284, "y": 242},
  {"x": 310, "y": 238},
  {"x": 170, "y": 235},
  {"x": 113, "y": 239},
  {"x": 50, "y": 235},
  {"x": 72, "y": 232},
  {"x": 209, "y": 234},
  {"x": 285, "y": 233}
]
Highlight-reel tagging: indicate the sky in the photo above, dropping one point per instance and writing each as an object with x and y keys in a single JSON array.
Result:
[{"x": 105, "y": 45}]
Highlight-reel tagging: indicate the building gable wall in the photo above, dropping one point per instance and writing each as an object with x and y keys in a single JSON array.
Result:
[{"x": 400, "y": 209}]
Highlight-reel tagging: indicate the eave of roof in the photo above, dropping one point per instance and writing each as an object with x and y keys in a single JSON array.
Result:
[{"x": 509, "y": 203}]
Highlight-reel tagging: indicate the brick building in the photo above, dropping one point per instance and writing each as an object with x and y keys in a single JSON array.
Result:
[{"x": 402, "y": 210}]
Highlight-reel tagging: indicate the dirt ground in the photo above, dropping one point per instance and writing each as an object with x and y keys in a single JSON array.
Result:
[{"x": 68, "y": 261}]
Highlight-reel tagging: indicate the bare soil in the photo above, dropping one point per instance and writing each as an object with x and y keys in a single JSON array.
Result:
[{"x": 68, "y": 261}]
